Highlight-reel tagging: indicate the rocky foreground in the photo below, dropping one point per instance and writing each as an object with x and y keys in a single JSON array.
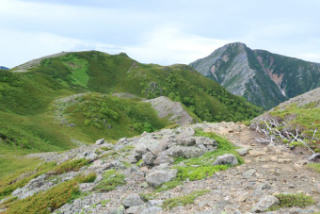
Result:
[{"x": 146, "y": 177}]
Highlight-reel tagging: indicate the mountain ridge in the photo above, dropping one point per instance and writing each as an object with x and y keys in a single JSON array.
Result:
[
  {"x": 263, "y": 78},
  {"x": 4, "y": 68}
]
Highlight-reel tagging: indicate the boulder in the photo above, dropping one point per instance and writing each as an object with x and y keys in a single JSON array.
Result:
[
  {"x": 185, "y": 151},
  {"x": 118, "y": 210},
  {"x": 186, "y": 141},
  {"x": 88, "y": 155},
  {"x": 151, "y": 210},
  {"x": 100, "y": 141},
  {"x": 226, "y": 159},
  {"x": 148, "y": 158},
  {"x": 207, "y": 142},
  {"x": 158, "y": 177},
  {"x": 132, "y": 200},
  {"x": 265, "y": 203},
  {"x": 185, "y": 132},
  {"x": 157, "y": 203},
  {"x": 135, "y": 209},
  {"x": 162, "y": 158},
  {"x": 242, "y": 151}
]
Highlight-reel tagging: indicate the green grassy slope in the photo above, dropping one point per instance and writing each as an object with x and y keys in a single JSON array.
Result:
[{"x": 27, "y": 116}]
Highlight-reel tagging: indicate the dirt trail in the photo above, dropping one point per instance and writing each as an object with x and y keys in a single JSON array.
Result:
[{"x": 268, "y": 169}]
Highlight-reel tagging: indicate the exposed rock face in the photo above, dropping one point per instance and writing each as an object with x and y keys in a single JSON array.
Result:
[
  {"x": 158, "y": 177},
  {"x": 263, "y": 78},
  {"x": 265, "y": 203},
  {"x": 174, "y": 110},
  {"x": 132, "y": 200}
]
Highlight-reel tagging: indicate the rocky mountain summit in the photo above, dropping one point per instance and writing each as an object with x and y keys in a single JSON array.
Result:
[
  {"x": 263, "y": 78},
  {"x": 200, "y": 168}
]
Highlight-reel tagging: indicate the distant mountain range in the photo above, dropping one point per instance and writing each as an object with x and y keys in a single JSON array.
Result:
[
  {"x": 4, "y": 68},
  {"x": 263, "y": 78}
]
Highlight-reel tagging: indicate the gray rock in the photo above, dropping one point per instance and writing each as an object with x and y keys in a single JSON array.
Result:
[
  {"x": 148, "y": 158},
  {"x": 157, "y": 203},
  {"x": 249, "y": 173},
  {"x": 88, "y": 155},
  {"x": 265, "y": 203},
  {"x": 37, "y": 184},
  {"x": 168, "y": 108},
  {"x": 264, "y": 186},
  {"x": 153, "y": 145},
  {"x": 119, "y": 210},
  {"x": 186, "y": 141},
  {"x": 314, "y": 158},
  {"x": 242, "y": 151},
  {"x": 132, "y": 200},
  {"x": 185, "y": 151},
  {"x": 226, "y": 159},
  {"x": 184, "y": 132},
  {"x": 158, "y": 177},
  {"x": 135, "y": 209},
  {"x": 100, "y": 141},
  {"x": 151, "y": 210},
  {"x": 163, "y": 157},
  {"x": 206, "y": 142}
]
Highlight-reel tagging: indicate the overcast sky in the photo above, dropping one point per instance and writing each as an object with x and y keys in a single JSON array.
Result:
[{"x": 157, "y": 31}]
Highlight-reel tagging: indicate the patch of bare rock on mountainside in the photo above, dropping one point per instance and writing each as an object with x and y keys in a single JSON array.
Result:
[
  {"x": 174, "y": 110},
  {"x": 185, "y": 170}
]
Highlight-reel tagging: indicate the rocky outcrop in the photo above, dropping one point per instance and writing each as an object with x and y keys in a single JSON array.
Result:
[
  {"x": 263, "y": 78},
  {"x": 174, "y": 111},
  {"x": 246, "y": 188},
  {"x": 157, "y": 177},
  {"x": 265, "y": 203}
]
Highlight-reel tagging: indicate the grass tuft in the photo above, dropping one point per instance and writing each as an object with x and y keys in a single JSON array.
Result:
[
  {"x": 293, "y": 200},
  {"x": 111, "y": 179},
  {"x": 314, "y": 166},
  {"x": 71, "y": 165},
  {"x": 183, "y": 200}
]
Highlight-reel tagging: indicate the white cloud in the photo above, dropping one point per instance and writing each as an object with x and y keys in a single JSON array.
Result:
[
  {"x": 169, "y": 45},
  {"x": 18, "y": 47}
]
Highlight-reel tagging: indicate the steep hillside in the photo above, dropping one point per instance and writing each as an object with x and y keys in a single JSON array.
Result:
[
  {"x": 38, "y": 111},
  {"x": 295, "y": 122},
  {"x": 263, "y": 78}
]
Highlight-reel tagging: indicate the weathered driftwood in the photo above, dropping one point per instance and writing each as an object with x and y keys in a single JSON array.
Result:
[{"x": 271, "y": 130}]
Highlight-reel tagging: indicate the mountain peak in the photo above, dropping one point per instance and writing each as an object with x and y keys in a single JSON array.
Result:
[
  {"x": 4, "y": 68},
  {"x": 263, "y": 78},
  {"x": 236, "y": 44}
]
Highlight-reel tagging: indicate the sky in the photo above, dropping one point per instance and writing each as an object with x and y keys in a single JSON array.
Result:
[{"x": 157, "y": 31}]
